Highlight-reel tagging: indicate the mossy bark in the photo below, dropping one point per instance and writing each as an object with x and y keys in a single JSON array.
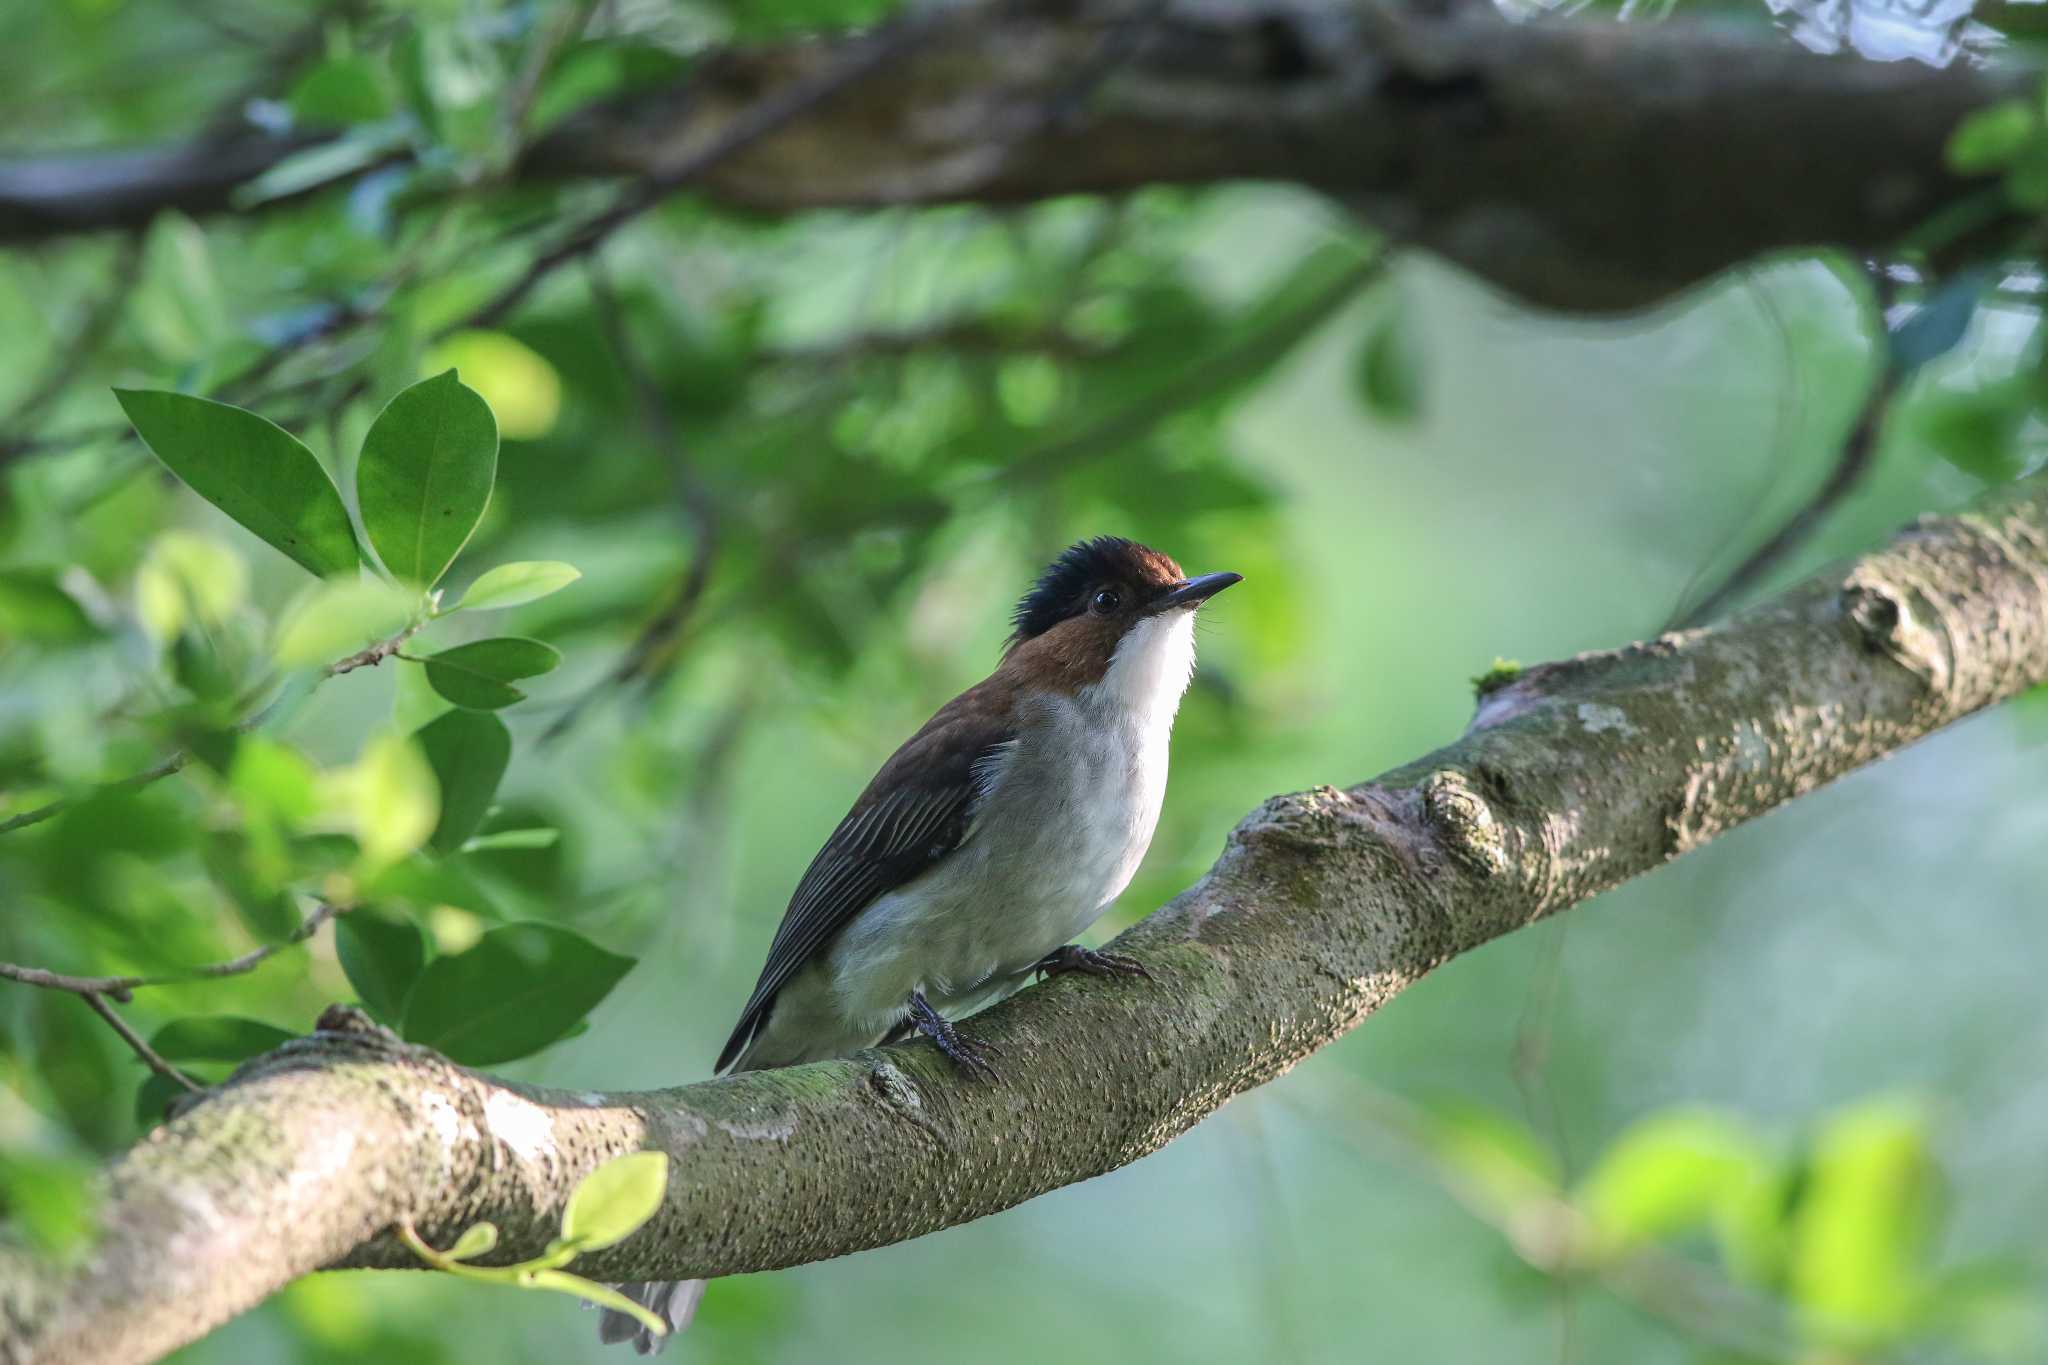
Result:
[{"x": 1325, "y": 904}]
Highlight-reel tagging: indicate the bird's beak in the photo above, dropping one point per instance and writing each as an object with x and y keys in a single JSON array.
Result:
[{"x": 1196, "y": 591}]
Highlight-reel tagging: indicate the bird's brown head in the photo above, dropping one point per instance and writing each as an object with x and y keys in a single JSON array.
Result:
[{"x": 1068, "y": 627}]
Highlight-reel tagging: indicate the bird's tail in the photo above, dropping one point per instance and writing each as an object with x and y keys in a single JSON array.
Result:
[{"x": 674, "y": 1302}]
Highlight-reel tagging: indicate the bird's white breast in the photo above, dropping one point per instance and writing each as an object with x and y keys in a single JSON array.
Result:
[{"x": 1067, "y": 812}]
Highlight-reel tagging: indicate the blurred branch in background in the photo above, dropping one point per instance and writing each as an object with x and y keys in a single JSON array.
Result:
[
  {"x": 1543, "y": 157},
  {"x": 1325, "y": 905},
  {"x": 659, "y": 637}
]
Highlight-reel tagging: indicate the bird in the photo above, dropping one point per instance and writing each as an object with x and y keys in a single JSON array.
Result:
[{"x": 986, "y": 843}]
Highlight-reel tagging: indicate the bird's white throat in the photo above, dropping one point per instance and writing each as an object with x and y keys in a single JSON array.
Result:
[{"x": 1150, "y": 670}]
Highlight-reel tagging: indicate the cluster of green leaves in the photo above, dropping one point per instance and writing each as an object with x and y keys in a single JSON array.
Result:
[
  {"x": 2010, "y": 140},
  {"x": 1839, "y": 1228},
  {"x": 395, "y": 837},
  {"x": 606, "y": 1207}
]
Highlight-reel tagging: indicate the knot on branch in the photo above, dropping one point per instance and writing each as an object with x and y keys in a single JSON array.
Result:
[
  {"x": 1314, "y": 820},
  {"x": 348, "y": 1019},
  {"x": 1884, "y": 617},
  {"x": 1463, "y": 822}
]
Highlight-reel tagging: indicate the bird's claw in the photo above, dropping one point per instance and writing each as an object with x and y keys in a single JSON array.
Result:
[
  {"x": 1074, "y": 958},
  {"x": 969, "y": 1054}
]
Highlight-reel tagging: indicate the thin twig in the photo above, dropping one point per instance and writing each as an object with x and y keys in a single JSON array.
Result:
[
  {"x": 150, "y": 1055},
  {"x": 1855, "y": 458},
  {"x": 540, "y": 59},
  {"x": 768, "y": 116},
  {"x": 700, "y": 506},
  {"x": 1201, "y": 380},
  {"x": 374, "y": 655},
  {"x": 1858, "y": 453},
  {"x": 121, "y": 987}
]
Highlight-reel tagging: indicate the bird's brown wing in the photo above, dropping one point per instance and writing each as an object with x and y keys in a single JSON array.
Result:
[{"x": 915, "y": 812}]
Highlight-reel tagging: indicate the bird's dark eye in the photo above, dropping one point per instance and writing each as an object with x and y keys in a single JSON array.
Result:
[{"x": 1106, "y": 602}]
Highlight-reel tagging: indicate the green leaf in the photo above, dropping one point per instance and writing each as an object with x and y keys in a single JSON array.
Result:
[
  {"x": 1496, "y": 1162},
  {"x": 216, "y": 1038},
  {"x": 339, "y": 91},
  {"x": 187, "y": 577},
  {"x": 611, "y": 1203},
  {"x": 476, "y": 1240},
  {"x": 1389, "y": 373},
  {"x": 468, "y": 752},
  {"x": 253, "y": 470},
  {"x": 1865, "y": 1221},
  {"x": 273, "y": 782},
  {"x": 512, "y": 585},
  {"x": 602, "y": 1295},
  {"x": 425, "y": 476},
  {"x": 156, "y": 1094},
  {"x": 478, "y": 675},
  {"x": 50, "y": 1199},
  {"x": 516, "y": 990},
  {"x": 2026, "y": 180},
  {"x": 1992, "y": 137},
  {"x": 34, "y": 607},
  {"x": 1669, "y": 1173},
  {"x": 382, "y": 958},
  {"x": 512, "y": 838},
  {"x": 594, "y": 1294},
  {"x": 395, "y": 799},
  {"x": 337, "y": 619},
  {"x": 523, "y": 389},
  {"x": 1978, "y": 429},
  {"x": 265, "y": 906}
]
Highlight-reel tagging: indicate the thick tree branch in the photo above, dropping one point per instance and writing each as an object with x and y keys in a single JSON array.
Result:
[
  {"x": 1581, "y": 165},
  {"x": 1324, "y": 905}
]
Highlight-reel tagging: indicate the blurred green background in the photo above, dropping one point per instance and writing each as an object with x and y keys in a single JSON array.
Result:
[{"x": 1778, "y": 1102}]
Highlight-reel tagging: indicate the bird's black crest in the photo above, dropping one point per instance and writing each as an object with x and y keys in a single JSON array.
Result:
[{"x": 1057, "y": 593}]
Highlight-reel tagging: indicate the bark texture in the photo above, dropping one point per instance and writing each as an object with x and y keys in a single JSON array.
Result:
[
  {"x": 1324, "y": 905},
  {"x": 1586, "y": 166}
]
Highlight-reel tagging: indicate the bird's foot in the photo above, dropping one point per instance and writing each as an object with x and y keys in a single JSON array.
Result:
[
  {"x": 1074, "y": 958},
  {"x": 967, "y": 1054}
]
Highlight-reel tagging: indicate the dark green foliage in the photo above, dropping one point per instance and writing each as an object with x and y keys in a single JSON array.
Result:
[{"x": 513, "y": 992}]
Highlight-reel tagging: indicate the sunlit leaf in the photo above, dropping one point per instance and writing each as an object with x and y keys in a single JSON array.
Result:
[
  {"x": 476, "y": 1240},
  {"x": 1864, "y": 1222},
  {"x": 521, "y": 387},
  {"x": 187, "y": 577},
  {"x": 339, "y": 618},
  {"x": 425, "y": 476},
  {"x": 274, "y": 781},
  {"x": 512, "y": 585},
  {"x": 518, "y": 989},
  {"x": 611, "y": 1203},
  {"x": 1670, "y": 1172},
  {"x": 253, "y": 470},
  {"x": 469, "y": 751},
  {"x": 1498, "y": 1162},
  {"x": 395, "y": 799}
]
